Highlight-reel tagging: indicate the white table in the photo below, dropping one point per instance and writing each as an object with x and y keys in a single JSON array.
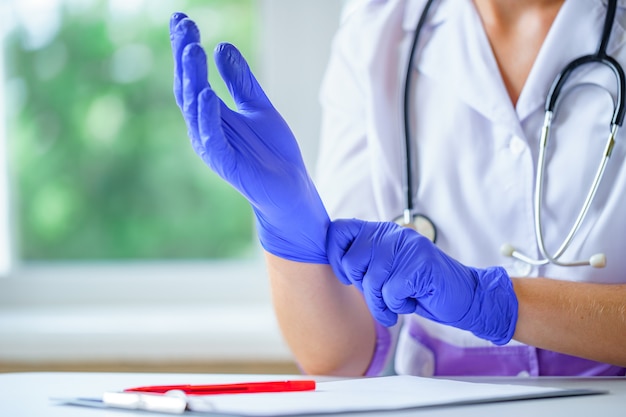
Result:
[{"x": 28, "y": 395}]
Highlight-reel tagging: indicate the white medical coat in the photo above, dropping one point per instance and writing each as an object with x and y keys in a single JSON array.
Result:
[{"x": 475, "y": 153}]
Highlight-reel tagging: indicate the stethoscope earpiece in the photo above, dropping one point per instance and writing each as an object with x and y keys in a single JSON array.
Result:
[
  {"x": 507, "y": 250},
  {"x": 597, "y": 261}
]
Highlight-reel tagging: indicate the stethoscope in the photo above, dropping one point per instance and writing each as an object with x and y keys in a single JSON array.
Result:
[{"x": 426, "y": 227}]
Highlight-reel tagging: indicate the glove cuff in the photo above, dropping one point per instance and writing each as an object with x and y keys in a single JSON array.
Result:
[
  {"x": 498, "y": 306},
  {"x": 303, "y": 243}
]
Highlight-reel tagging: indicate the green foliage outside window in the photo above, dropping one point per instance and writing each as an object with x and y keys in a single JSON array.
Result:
[{"x": 101, "y": 164}]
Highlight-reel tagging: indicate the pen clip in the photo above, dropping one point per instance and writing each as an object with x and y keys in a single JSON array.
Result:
[{"x": 168, "y": 403}]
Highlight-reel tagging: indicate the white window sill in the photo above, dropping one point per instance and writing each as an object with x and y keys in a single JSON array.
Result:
[
  {"x": 139, "y": 311},
  {"x": 190, "y": 333}
]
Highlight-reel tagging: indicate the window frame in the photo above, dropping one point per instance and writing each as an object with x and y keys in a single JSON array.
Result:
[{"x": 6, "y": 234}]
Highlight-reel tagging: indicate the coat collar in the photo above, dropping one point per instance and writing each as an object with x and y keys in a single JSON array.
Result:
[{"x": 455, "y": 50}]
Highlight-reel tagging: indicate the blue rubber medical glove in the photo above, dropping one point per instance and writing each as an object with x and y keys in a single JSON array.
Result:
[
  {"x": 400, "y": 271},
  {"x": 252, "y": 148}
]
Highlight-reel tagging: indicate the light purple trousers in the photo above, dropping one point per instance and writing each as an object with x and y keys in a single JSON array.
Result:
[{"x": 441, "y": 359}]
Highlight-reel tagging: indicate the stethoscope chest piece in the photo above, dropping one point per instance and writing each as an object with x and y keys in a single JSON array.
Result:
[{"x": 421, "y": 224}]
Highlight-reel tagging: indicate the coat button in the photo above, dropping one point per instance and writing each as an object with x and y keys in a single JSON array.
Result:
[{"x": 517, "y": 146}]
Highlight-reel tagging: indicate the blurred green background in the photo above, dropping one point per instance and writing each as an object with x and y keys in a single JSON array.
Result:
[{"x": 100, "y": 163}]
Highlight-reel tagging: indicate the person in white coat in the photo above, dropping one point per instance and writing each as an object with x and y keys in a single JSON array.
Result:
[{"x": 480, "y": 74}]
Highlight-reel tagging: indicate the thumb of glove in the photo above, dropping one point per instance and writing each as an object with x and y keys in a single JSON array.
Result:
[{"x": 340, "y": 238}]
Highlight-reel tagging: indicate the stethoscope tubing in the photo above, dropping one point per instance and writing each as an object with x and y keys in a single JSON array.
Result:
[
  {"x": 600, "y": 58},
  {"x": 552, "y": 100},
  {"x": 408, "y": 174}
]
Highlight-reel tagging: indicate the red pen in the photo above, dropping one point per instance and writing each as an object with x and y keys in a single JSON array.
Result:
[{"x": 237, "y": 388}]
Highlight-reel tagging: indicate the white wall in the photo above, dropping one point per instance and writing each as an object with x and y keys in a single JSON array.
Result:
[{"x": 296, "y": 36}]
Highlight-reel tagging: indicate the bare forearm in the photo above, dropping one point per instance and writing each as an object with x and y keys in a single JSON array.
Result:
[
  {"x": 581, "y": 319},
  {"x": 325, "y": 323}
]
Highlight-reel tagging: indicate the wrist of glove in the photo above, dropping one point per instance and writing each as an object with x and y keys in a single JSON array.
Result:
[
  {"x": 401, "y": 272},
  {"x": 252, "y": 148},
  {"x": 297, "y": 233},
  {"x": 493, "y": 311}
]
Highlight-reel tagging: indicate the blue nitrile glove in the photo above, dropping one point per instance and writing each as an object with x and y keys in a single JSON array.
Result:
[
  {"x": 252, "y": 148},
  {"x": 400, "y": 271}
]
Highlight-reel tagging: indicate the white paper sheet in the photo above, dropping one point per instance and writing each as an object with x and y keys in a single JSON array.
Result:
[{"x": 370, "y": 394}]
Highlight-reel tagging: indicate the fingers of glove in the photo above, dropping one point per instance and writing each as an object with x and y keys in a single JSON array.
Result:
[
  {"x": 372, "y": 292},
  {"x": 194, "y": 81},
  {"x": 340, "y": 237},
  {"x": 213, "y": 147},
  {"x": 398, "y": 293},
  {"x": 174, "y": 19},
  {"x": 243, "y": 86},
  {"x": 183, "y": 31}
]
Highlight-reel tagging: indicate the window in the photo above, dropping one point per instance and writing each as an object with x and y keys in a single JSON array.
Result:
[{"x": 121, "y": 237}]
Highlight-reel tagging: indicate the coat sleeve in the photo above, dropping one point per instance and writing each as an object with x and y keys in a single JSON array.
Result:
[{"x": 342, "y": 176}]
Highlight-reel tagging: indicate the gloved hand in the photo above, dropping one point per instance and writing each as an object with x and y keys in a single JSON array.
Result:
[
  {"x": 251, "y": 148},
  {"x": 401, "y": 272}
]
